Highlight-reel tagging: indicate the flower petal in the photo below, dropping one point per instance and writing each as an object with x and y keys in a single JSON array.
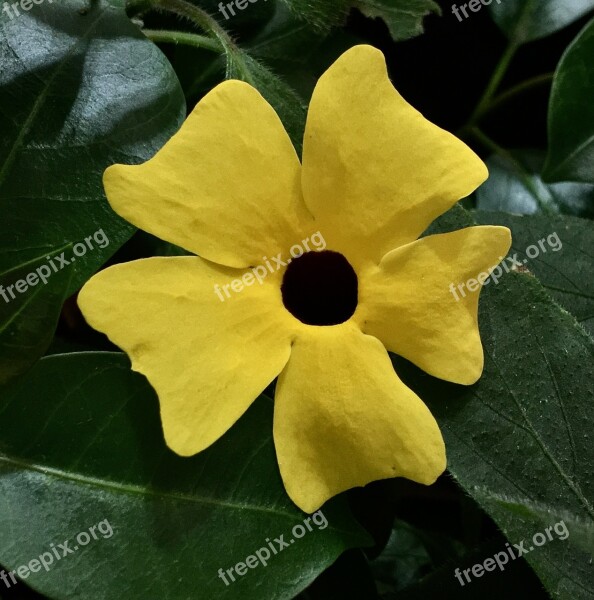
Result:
[
  {"x": 343, "y": 418},
  {"x": 408, "y": 303},
  {"x": 226, "y": 186},
  {"x": 376, "y": 173},
  {"x": 208, "y": 360}
]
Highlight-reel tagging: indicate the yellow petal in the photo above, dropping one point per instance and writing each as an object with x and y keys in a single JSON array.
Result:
[
  {"x": 411, "y": 302},
  {"x": 376, "y": 173},
  {"x": 206, "y": 359},
  {"x": 226, "y": 186},
  {"x": 343, "y": 418}
]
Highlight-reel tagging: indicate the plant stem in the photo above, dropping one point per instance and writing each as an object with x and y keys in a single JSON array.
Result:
[
  {"x": 202, "y": 20},
  {"x": 488, "y": 143},
  {"x": 184, "y": 38},
  {"x": 199, "y": 17},
  {"x": 493, "y": 84},
  {"x": 529, "y": 84}
]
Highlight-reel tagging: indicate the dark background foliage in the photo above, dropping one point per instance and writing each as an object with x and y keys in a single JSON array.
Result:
[{"x": 419, "y": 534}]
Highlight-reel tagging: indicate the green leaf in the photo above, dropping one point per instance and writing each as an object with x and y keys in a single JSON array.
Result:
[
  {"x": 527, "y": 20},
  {"x": 285, "y": 38},
  {"x": 571, "y": 113},
  {"x": 443, "y": 582},
  {"x": 97, "y": 94},
  {"x": 566, "y": 268},
  {"x": 404, "y": 18},
  {"x": 517, "y": 187},
  {"x": 28, "y": 320},
  {"x": 403, "y": 560},
  {"x": 349, "y": 577},
  {"x": 581, "y": 530},
  {"x": 321, "y": 14},
  {"x": 85, "y": 444},
  {"x": 80, "y": 89},
  {"x": 523, "y": 432}
]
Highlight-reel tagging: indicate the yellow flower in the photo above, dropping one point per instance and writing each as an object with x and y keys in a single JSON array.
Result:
[{"x": 229, "y": 187}]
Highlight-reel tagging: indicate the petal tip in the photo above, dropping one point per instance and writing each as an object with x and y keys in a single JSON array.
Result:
[
  {"x": 115, "y": 178},
  {"x": 230, "y": 86},
  {"x": 474, "y": 373},
  {"x": 433, "y": 475},
  {"x": 365, "y": 49},
  {"x": 360, "y": 58},
  {"x": 84, "y": 298},
  {"x": 485, "y": 174},
  {"x": 507, "y": 236},
  {"x": 307, "y": 500},
  {"x": 112, "y": 174},
  {"x": 500, "y": 239}
]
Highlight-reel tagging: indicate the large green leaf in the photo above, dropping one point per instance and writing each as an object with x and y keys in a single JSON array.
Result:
[
  {"x": 527, "y": 20},
  {"x": 565, "y": 267},
  {"x": 404, "y": 18},
  {"x": 571, "y": 113},
  {"x": 516, "y": 186},
  {"x": 80, "y": 89},
  {"x": 85, "y": 444},
  {"x": 523, "y": 433}
]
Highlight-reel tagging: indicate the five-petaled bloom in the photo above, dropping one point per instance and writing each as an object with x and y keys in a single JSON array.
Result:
[{"x": 230, "y": 188}]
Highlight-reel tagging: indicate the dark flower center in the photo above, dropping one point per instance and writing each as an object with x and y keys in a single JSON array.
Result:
[{"x": 320, "y": 288}]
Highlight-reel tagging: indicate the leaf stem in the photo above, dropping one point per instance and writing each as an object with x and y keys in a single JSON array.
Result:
[
  {"x": 198, "y": 17},
  {"x": 184, "y": 38},
  {"x": 529, "y": 84},
  {"x": 488, "y": 143},
  {"x": 496, "y": 78},
  {"x": 201, "y": 19}
]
